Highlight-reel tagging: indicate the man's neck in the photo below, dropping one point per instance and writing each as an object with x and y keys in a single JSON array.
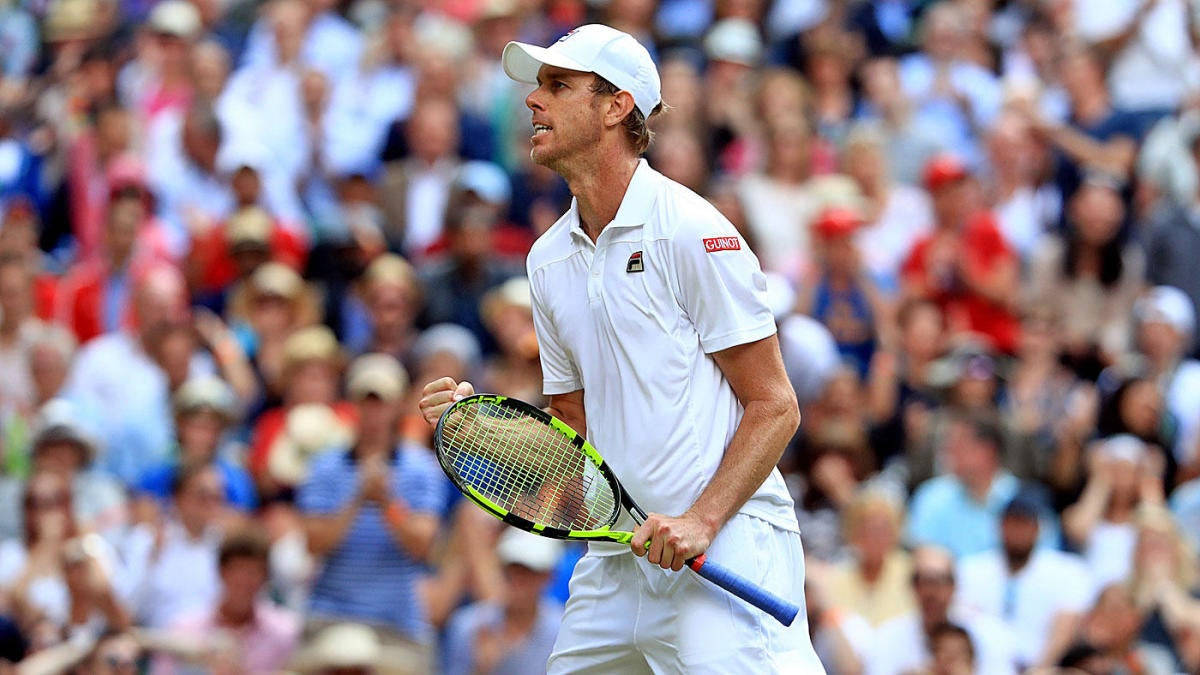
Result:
[
  {"x": 599, "y": 188},
  {"x": 980, "y": 486},
  {"x": 235, "y": 614},
  {"x": 520, "y": 619}
]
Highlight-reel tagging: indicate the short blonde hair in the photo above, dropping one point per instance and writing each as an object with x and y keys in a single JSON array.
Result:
[{"x": 867, "y": 502}]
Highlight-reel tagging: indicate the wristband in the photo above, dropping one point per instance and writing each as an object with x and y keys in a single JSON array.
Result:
[{"x": 396, "y": 513}]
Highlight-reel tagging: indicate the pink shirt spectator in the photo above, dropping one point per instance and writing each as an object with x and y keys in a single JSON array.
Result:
[{"x": 263, "y": 646}]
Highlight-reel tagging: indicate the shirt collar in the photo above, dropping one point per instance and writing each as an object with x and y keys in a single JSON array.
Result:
[{"x": 635, "y": 206}]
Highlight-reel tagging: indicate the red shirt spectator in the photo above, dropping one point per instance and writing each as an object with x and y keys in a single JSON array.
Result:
[
  {"x": 964, "y": 265},
  {"x": 234, "y": 249}
]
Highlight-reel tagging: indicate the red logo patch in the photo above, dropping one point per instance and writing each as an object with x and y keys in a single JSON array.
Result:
[{"x": 714, "y": 244}]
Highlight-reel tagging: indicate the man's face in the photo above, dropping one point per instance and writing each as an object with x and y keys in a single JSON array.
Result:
[
  {"x": 243, "y": 577},
  {"x": 1019, "y": 535},
  {"x": 63, "y": 458},
  {"x": 934, "y": 587},
  {"x": 200, "y": 502},
  {"x": 567, "y": 115},
  {"x": 199, "y": 433},
  {"x": 16, "y": 291}
]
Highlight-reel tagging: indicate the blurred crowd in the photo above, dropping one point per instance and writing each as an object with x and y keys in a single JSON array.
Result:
[{"x": 237, "y": 237}]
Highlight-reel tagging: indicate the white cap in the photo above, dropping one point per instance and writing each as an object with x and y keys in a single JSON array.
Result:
[
  {"x": 735, "y": 41},
  {"x": 594, "y": 48},
  {"x": 517, "y": 547},
  {"x": 1169, "y": 305},
  {"x": 176, "y": 17},
  {"x": 1123, "y": 447}
]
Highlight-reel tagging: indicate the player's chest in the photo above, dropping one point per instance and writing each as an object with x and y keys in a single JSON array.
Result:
[{"x": 620, "y": 292}]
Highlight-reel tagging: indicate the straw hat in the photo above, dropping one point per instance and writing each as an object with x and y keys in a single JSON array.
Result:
[{"x": 308, "y": 429}]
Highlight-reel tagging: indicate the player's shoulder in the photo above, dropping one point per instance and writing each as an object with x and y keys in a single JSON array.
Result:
[
  {"x": 553, "y": 245},
  {"x": 682, "y": 212}
]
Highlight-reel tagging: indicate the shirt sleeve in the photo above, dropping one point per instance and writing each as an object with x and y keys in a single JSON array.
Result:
[
  {"x": 316, "y": 496},
  {"x": 559, "y": 375},
  {"x": 719, "y": 283}
]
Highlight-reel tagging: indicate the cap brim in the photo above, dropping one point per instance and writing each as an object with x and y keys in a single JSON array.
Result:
[{"x": 522, "y": 61}]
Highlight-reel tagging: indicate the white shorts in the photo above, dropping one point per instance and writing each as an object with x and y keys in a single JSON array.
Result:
[{"x": 625, "y": 615}]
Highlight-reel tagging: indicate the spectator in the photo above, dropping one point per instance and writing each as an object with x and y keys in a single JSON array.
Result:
[
  {"x": 205, "y": 408},
  {"x": 418, "y": 188},
  {"x": 242, "y": 629},
  {"x": 118, "y": 373},
  {"x": 911, "y": 137},
  {"x": 1166, "y": 320},
  {"x": 265, "y": 311},
  {"x": 953, "y": 652},
  {"x": 91, "y": 158},
  {"x": 95, "y": 298},
  {"x": 311, "y": 368},
  {"x": 1039, "y": 593},
  {"x": 961, "y": 511},
  {"x": 838, "y": 460},
  {"x": 1113, "y": 628},
  {"x": 964, "y": 264},
  {"x": 370, "y": 514},
  {"x": 517, "y": 634},
  {"x": 59, "y": 578},
  {"x": 1039, "y": 393},
  {"x": 1023, "y": 207},
  {"x": 906, "y": 642},
  {"x": 46, "y": 361},
  {"x": 1165, "y": 589},
  {"x": 172, "y": 561},
  {"x": 897, "y": 214},
  {"x": 391, "y": 296},
  {"x": 875, "y": 583},
  {"x": 1123, "y": 474},
  {"x": 961, "y": 95},
  {"x": 456, "y": 282},
  {"x": 1093, "y": 276},
  {"x": 514, "y": 370},
  {"x": 899, "y": 397},
  {"x": 19, "y": 328},
  {"x": 778, "y": 201},
  {"x": 841, "y": 296}
]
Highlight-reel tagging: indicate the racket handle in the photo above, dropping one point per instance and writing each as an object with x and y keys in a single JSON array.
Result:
[{"x": 784, "y": 612}]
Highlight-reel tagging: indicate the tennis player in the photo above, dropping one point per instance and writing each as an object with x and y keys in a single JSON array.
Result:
[{"x": 657, "y": 343}]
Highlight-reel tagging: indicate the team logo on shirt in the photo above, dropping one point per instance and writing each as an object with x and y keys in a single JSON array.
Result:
[
  {"x": 635, "y": 263},
  {"x": 714, "y": 244}
]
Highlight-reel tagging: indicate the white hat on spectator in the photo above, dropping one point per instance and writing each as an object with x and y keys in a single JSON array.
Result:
[
  {"x": 517, "y": 547},
  {"x": 448, "y": 338},
  {"x": 1169, "y": 305},
  {"x": 1123, "y": 447},
  {"x": 378, "y": 375},
  {"x": 175, "y": 17},
  {"x": 58, "y": 421},
  {"x": 206, "y": 392},
  {"x": 734, "y": 41},
  {"x": 594, "y": 48},
  {"x": 342, "y": 645},
  {"x": 242, "y": 153},
  {"x": 486, "y": 180},
  {"x": 308, "y": 429},
  {"x": 810, "y": 355}
]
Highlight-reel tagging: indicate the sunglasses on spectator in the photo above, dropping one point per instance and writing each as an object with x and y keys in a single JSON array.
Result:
[
  {"x": 919, "y": 578},
  {"x": 48, "y": 501}
]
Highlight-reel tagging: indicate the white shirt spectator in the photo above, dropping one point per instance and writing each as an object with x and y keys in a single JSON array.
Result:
[
  {"x": 1183, "y": 400},
  {"x": 425, "y": 207},
  {"x": 1109, "y": 552},
  {"x": 332, "y": 45},
  {"x": 47, "y": 592},
  {"x": 361, "y": 108},
  {"x": 1158, "y": 66},
  {"x": 899, "y": 645},
  {"x": 178, "y": 579},
  {"x": 885, "y": 243},
  {"x": 778, "y": 216},
  {"x": 1051, "y": 583},
  {"x": 184, "y": 190}
]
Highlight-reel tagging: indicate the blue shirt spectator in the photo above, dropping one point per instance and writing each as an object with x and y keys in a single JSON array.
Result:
[{"x": 369, "y": 577}]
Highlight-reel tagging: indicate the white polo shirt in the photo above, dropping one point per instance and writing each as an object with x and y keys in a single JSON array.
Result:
[{"x": 632, "y": 320}]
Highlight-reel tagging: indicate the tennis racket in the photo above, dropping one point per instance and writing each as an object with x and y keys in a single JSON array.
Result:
[{"x": 535, "y": 473}]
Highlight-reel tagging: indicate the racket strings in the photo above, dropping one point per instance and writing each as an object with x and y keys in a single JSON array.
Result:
[{"x": 526, "y": 467}]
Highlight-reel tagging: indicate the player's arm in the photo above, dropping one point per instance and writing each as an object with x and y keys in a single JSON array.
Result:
[
  {"x": 568, "y": 407},
  {"x": 756, "y": 374}
]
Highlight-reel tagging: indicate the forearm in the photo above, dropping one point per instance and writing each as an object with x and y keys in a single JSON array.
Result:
[
  {"x": 1080, "y": 518},
  {"x": 325, "y": 533},
  {"x": 1062, "y": 631},
  {"x": 761, "y": 437},
  {"x": 413, "y": 532}
]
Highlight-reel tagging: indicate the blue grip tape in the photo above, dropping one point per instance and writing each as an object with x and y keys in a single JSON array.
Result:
[{"x": 784, "y": 612}]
